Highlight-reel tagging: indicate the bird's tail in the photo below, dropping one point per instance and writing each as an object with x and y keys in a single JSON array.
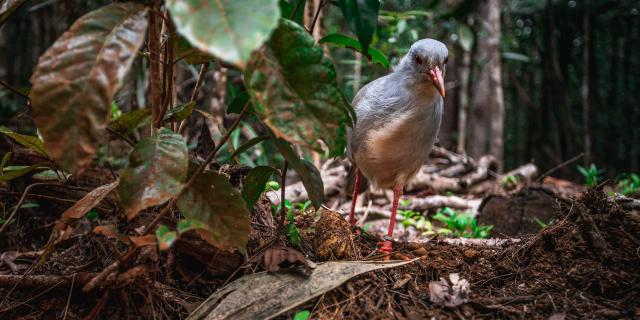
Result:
[{"x": 351, "y": 181}]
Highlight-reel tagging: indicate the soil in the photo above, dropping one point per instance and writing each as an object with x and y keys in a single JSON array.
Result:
[{"x": 584, "y": 264}]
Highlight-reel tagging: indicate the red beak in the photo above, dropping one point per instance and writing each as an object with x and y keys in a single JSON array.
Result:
[{"x": 438, "y": 80}]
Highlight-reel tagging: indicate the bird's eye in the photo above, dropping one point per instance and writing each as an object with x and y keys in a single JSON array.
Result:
[
  {"x": 417, "y": 59},
  {"x": 446, "y": 60}
]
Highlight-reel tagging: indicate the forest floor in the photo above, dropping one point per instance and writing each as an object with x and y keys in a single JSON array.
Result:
[{"x": 582, "y": 264}]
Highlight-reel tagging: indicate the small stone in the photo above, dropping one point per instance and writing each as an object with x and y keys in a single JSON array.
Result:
[
  {"x": 400, "y": 256},
  {"x": 420, "y": 252},
  {"x": 413, "y": 245},
  {"x": 471, "y": 254}
]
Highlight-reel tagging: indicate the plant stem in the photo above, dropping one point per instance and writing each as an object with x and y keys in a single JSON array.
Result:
[
  {"x": 315, "y": 17},
  {"x": 155, "y": 83},
  {"x": 114, "y": 266},
  {"x": 194, "y": 94},
  {"x": 22, "y": 198},
  {"x": 283, "y": 182},
  {"x": 168, "y": 70}
]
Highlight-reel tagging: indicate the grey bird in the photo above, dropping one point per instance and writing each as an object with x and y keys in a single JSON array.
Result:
[{"x": 399, "y": 117}]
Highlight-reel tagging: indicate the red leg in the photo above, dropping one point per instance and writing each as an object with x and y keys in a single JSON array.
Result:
[
  {"x": 356, "y": 190},
  {"x": 385, "y": 247}
]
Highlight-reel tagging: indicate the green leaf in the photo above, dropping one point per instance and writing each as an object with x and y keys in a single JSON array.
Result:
[
  {"x": 30, "y": 142},
  {"x": 51, "y": 175},
  {"x": 374, "y": 55},
  {"x": 77, "y": 77},
  {"x": 7, "y": 7},
  {"x": 213, "y": 200},
  {"x": 157, "y": 170},
  {"x": 294, "y": 89},
  {"x": 516, "y": 56},
  {"x": 302, "y": 315},
  {"x": 249, "y": 144},
  {"x": 180, "y": 112},
  {"x": 187, "y": 53},
  {"x": 465, "y": 37},
  {"x": 185, "y": 225},
  {"x": 13, "y": 172},
  {"x": 230, "y": 30},
  {"x": 238, "y": 102},
  {"x": 126, "y": 123},
  {"x": 165, "y": 237},
  {"x": 287, "y": 9},
  {"x": 291, "y": 231},
  {"x": 307, "y": 172},
  {"x": 362, "y": 17},
  {"x": 254, "y": 184},
  {"x": 5, "y": 160}
]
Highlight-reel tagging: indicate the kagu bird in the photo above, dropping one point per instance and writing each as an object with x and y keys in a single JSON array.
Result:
[{"x": 399, "y": 118}]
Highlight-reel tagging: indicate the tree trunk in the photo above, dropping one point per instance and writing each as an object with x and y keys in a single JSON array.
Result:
[
  {"x": 586, "y": 101},
  {"x": 487, "y": 103}
]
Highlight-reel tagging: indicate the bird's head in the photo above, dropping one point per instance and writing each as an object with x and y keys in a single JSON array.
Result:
[{"x": 428, "y": 57}]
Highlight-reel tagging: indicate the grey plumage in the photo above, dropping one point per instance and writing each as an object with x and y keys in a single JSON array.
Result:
[{"x": 399, "y": 117}]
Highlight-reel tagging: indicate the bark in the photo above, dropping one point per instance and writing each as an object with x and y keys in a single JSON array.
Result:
[{"x": 487, "y": 102}]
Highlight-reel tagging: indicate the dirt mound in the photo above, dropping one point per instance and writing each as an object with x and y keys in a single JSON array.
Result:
[{"x": 584, "y": 266}]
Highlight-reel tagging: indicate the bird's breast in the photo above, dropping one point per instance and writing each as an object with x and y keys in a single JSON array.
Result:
[{"x": 395, "y": 149}]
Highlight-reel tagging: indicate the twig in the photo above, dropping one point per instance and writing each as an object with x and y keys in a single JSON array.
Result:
[
  {"x": 13, "y": 89},
  {"x": 283, "y": 183},
  {"x": 123, "y": 138},
  {"x": 22, "y": 198},
  {"x": 115, "y": 265},
  {"x": 155, "y": 83},
  {"x": 563, "y": 164},
  {"x": 66, "y": 309},
  {"x": 194, "y": 94},
  {"x": 295, "y": 10},
  {"x": 168, "y": 69},
  {"x": 315, "y": 17}
]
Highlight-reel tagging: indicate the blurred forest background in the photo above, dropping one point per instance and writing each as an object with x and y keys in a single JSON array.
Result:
[{"x": 541, "y": 81}]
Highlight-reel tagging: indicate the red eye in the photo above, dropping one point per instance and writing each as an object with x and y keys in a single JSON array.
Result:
[{"x": 417, "y": 59}]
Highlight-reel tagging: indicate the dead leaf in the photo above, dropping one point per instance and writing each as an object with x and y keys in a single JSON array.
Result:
[
  {"x": 284, "y": 257},
  {"x": 246, "y": 297},
  {"x": 450, "y": 294},
  {"x": 110, "y": 231},
  {"x": 143, "y": 241},
  {"x": 88, "y": 202}
]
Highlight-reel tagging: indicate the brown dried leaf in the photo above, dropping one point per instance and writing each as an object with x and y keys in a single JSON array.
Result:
[
  {"x": 275, "y": 257},
  {"x": 76, "y": 78},
  {"x": 88, "y": 202},
  {"x": 110, "y": 231},
  {"x": 143, "y": 241}
]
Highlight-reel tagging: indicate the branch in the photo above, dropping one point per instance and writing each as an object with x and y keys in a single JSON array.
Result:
[
  {"x": 114, "y": 266},
  {"x": 194, "y": 94}
]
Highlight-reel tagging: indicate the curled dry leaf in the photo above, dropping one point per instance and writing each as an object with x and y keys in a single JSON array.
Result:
[
  {"x": 110, "y": 231},
  {"x": 77, "y": 77},
  {"x": 284, "y": 257},
  {"x": 88, "y": 202},
  {"x": 449, "y": 294}
]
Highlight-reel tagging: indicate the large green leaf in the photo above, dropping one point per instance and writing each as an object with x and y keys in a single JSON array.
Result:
[
  {"x": 254, "y": 183},
  {"x": 12, "y": 172},
  {"x": 157, "y": 171},
  {"x": 213, "y": 200},
  {"x": 294, "y": 89},
  {"x": 307, "y": 172},
  {"x": 7, "y": 7},
  {"x": 30, "y": 142},
  {"x": 185, "y": 52},
  {"x": 228, "y": 29},
  {"x": 293, "y": 10},
  {"x": 374, "y": 55},
  {"x": 362, "y": 17},
  {"x": 126, "y": 123},
  {"x": 76, "y": 78}
]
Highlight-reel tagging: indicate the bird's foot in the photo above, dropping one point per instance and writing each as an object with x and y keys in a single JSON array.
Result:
[{"x": 385, "y": 247}]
